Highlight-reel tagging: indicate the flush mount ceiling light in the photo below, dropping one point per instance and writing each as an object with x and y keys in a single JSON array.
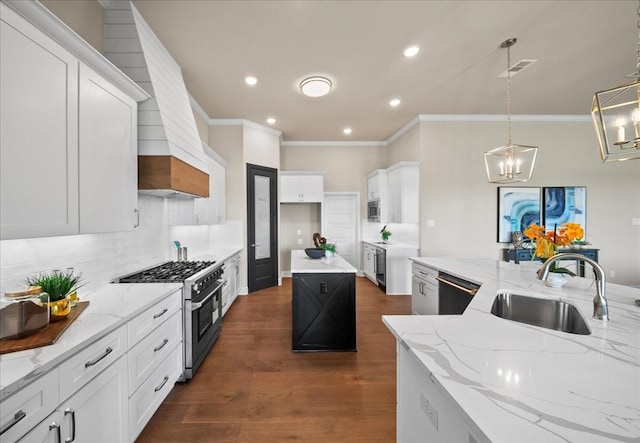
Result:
[
  {"x": 411, "y": 51},
  {"x": 394, "y": 102},
  {"x": 250, "y": 80},
  {"x": 616, "y": 117},
  {"x": 315, "y": 86},
  {"x": 511, "y": 163}
]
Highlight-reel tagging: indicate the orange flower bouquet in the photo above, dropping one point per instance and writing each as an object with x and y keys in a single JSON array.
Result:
[{"x": 547, "y": 243}]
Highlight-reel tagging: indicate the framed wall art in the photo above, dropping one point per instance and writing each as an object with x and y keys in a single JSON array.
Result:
[
  {"x": 518, "y": 208},
  {"x": 564, "y": 204}
]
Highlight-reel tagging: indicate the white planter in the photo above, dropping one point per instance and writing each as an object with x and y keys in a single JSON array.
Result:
[{"x": 555, "y": 280}]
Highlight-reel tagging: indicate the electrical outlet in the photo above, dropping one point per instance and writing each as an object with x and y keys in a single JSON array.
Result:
[
  {"x": 635, "y": 221},
  {"x": 431, "y": 223},
  {"x": 612, "y": 273},
  {"x": 429, "y": 410},
  {"x": 299, "y": 232},
  {"x": 299, "y": 241}
]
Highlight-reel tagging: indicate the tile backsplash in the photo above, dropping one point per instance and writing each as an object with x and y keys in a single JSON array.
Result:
[{"x": 103, "y": 257}]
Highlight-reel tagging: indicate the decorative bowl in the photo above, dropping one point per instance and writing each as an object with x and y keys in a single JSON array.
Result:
[{"x": 314, "y": 252}]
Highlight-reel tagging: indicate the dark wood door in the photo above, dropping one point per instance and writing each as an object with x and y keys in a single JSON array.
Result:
[{"x": 262, "y": 227}]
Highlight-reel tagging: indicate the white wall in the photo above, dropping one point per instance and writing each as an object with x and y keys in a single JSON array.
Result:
[
  {"x": 454, "y": 192},
  {"x": 103, "y": 257}
]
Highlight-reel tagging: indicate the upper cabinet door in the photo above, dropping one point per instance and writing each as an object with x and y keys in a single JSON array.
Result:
[
  {"x": 108, "y": 156},
  {"x": 301, "y": 188},
  {"x": 39, "y": 145}
]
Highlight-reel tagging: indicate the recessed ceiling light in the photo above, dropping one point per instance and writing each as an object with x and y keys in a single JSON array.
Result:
[
  {"x": 271, "y": 120},
  {"x": 411, "y": 51},
  {"x": 250, "y": 80},
  {"x": 315, "y": 86},
  {"x": 347, "y": 131},
  {"x": 395, "y": 102}
]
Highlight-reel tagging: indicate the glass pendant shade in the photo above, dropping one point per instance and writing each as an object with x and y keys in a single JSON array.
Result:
[
  {"x": 616, "y": 118},
  {"x": 510, "y": 164}
]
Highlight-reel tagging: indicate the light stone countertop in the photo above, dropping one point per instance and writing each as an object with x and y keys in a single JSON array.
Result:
[
  {"x": 391, "y": 246},
  {"x": 301, "y": 263},
  {"x": 110, "y": 307},
  {"x": 515, "y": 382}
]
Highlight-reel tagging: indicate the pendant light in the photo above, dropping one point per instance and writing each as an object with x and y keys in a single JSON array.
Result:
[
  {"x": 511, "y": 163},
  {"x": 616, "y": 117}
]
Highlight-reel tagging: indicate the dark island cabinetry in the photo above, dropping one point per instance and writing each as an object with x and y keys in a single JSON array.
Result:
[{"x": 324, "y": 312}]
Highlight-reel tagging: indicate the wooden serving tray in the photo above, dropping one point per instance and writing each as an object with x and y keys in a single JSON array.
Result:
[{"x": 45, "y": 337}]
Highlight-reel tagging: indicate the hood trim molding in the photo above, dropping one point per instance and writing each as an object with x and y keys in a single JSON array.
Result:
[{"x": 165, "y": 172}]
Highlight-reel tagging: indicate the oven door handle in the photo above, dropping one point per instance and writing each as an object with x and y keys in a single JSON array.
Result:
[{"x": 196, "y": 306}]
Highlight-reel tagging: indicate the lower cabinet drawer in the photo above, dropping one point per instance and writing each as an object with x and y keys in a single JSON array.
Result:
[
  {"x": 48, "y": 431},
  {"x": 145, "y": 357},
  {"x": 146, "y": 400},
  {"x": 78, "y": 370},
  {"x": 28, "y": 407}
]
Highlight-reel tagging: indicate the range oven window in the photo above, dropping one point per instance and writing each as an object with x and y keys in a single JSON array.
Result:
[{"x": 204, "y": 316}]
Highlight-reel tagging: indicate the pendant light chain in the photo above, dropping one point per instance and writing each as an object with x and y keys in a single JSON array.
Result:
[{"x": 509, "y": 94}]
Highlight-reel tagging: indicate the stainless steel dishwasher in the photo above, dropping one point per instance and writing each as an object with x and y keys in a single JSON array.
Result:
[{"x": 454, "y": 294}]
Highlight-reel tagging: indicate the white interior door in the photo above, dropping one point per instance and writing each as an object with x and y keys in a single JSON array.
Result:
[{"x": 340, "y": 215}]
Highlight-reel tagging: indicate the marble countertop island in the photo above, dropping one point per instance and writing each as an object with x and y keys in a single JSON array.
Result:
[
  {"x": 516, "y": 382},
  {"x": 301, "y": 263}
]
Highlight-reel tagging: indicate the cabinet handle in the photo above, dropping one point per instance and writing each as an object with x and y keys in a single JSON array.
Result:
[
  {"x": 137, "y": 212},
  {"x": 164, "y": 342},
  {"x": 16, "y": 418},
  {"x": 462, "y": 288},
  {"x": 56, "y": 426},
  {"x": 73, "y": 425},
  {"x": 166, "y": 379},
  {"x": 91, "y": 363},
  {"x": 164, "y": 311}
]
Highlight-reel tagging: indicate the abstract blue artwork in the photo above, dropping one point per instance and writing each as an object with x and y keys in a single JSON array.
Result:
[
  {"x": 564, "y": 204},
  {"x": 518, "y": 207}
]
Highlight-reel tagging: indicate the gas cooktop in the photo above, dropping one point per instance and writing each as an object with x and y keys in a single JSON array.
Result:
[{"x": 173, "y": 271}]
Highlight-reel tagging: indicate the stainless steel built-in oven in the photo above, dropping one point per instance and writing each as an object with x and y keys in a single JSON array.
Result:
[
  {"x": 203, "y": 322},
  {"x": 201, "y": 304},
  {"x": 373, "y": 210}
]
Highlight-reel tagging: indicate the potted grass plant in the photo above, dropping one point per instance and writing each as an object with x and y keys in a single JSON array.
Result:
[{"x": 59, "y": 285}]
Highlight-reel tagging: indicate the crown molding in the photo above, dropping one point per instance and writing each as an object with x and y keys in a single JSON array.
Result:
[
  {"x": 502, "y": 117},
  {"x": 197, "y": 108},
  {"x": 345, "y": 143}
]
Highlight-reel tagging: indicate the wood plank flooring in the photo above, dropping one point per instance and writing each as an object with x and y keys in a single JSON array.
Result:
[{"x": 252, "y": 388}]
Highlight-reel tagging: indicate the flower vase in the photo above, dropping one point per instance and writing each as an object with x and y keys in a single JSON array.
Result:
[
  {"x": 328, "y": 254},
  {"x": 59, "y": 309},
  {"x": 555, "y": 280}
]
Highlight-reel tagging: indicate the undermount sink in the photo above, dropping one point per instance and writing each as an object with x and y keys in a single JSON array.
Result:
[{"x": 546, "y": 313}]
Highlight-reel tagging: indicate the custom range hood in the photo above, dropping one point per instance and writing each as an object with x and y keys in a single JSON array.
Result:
[{"x": 171, "y": 161}]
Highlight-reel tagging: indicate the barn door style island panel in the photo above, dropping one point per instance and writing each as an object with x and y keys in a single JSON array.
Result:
[{"x": 324, "y": 303}]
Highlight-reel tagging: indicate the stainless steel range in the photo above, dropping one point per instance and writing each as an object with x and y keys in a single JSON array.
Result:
[{"x": 202, "y": 304}]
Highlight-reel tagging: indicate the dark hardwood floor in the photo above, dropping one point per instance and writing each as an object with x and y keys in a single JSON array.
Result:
[{"x": 252, "y": 388}]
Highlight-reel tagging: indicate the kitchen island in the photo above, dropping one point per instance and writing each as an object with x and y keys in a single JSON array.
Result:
[
  {"x": 478, "y": 377},
  {"x": 323, "y": 303}
]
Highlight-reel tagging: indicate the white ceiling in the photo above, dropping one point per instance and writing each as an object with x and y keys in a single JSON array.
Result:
[{"x": 581, "y": 47}]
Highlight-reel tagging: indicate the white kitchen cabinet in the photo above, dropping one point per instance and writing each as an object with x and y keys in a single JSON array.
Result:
[
  {"x": 108, "y": 156},
  {"x": 403, "y": 193},
  {"x": 377, "y": 184},
  {"x": 369, "y": 260},
  {"x": 423, "y": 412},
  {"x": 154, "y": 359},
  {"x": 424, "y": 290},
  {"x": 230, "y": 277},
  {"x": 301, "y": 187},
  {"x": 27, "y": 407},
  {"x": 48, "y": 431},
  {"x": 39, "y": 136},
  {"x": 99, "y": 412},
  {"x": 69, "y": 135},
  {"x": 209, "y": 211}
]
